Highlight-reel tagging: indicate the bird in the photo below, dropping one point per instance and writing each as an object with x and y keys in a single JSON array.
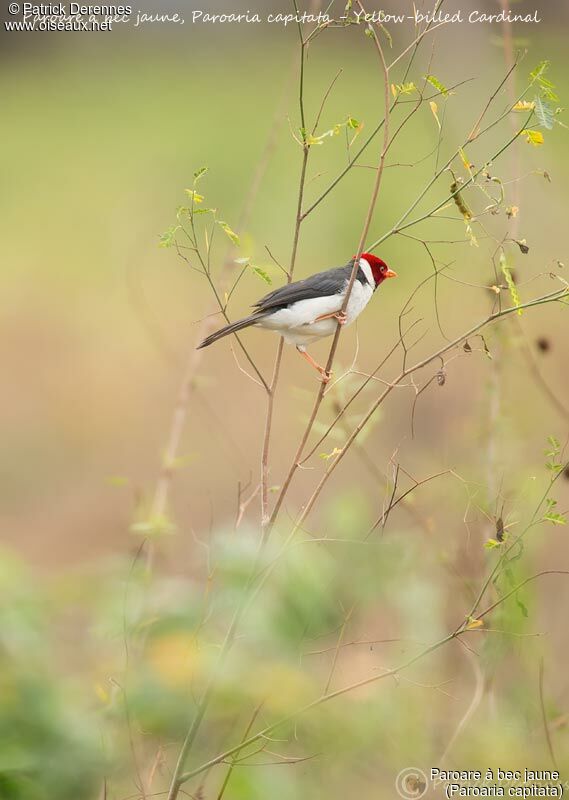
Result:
[{"x": 310, "y": 309}]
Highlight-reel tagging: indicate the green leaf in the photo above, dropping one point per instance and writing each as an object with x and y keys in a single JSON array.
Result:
[
  {"x": 490, "y": 544},
  {"x": 168, "y": 238},
  {"x": 229, "y": 232},
  {"x": 555, "y": 518},
  {"x": 327, "y": 456},
  {"x": 533, "y": 137},
  {"x": 403, "y": 88},
  {"x": 546, "y": 86},
  {"x": 507, "y": 273},
  {"x": 540, "y": 70},
  {"x": 198, "y": 174},
  {"x": 310, "y": 139},
  {"x": 555, "y": 444},
  {"x": 262, "y": 274},
  {"x": 387, "y": 35},
  {"x": 437, "y": 84},
  {"x": 194, "y": 196},
  {"x": 548, "y": 92},
  {"x": 523, "y": 105},
  {"x": 544, "y": 113}
]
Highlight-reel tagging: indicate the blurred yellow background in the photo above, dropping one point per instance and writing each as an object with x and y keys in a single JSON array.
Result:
[{"x": 103, "y": 134}]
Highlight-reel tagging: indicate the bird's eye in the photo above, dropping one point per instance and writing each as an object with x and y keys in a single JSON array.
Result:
[{"x": 383, "y": 268}]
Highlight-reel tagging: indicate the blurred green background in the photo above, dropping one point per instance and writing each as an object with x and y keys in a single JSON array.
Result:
[{"x": 103, "y": 133}]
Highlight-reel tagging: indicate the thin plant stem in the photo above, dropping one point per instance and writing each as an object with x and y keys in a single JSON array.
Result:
[
  {"x": 203, "y": 704},
  {"x": 552, "y": 297},
  {"x": 363, "y": 236}
]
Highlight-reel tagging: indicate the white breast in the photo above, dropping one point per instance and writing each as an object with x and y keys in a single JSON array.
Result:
[
  {"x": 360, "y": 296},
  {"x": 299, "y": 322}
]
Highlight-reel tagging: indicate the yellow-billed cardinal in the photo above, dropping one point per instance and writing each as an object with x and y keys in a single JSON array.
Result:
[{"x": 310, "y": 309}]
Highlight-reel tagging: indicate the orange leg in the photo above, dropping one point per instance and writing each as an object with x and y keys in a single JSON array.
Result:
[
  {"x": 325, "y": 376},
  {"x": 340, "y": 316}
]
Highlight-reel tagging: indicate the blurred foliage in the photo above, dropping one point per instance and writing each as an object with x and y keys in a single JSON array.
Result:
[
  {"x": 101, "y": 659},
  {"x": 49, "y": 741},
  {"x": 334, "y": 611}
]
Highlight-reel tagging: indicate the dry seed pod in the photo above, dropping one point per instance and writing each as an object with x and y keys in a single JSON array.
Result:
[
  {"x": 499, "y": 529},
  {"x": 461, "y": 205}
]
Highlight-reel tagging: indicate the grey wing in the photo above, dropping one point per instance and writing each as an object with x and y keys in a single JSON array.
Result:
[{"x": 323, "y": 284}]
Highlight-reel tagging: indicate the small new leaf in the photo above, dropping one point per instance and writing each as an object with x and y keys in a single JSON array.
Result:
[
  {"x": 555, "y": 445},
  {"x": 490, "y": 544},
  {"x": 533, "y": 137},
  {"x": 555, "y": 518},
  {"x": 264, "y": 276},
  {"x": 507, "y": 273},
  {"x": 437, "y": 84},
  {"x": 229, "y": 232},
  {"x": 168, "y": 238},
  {"x": 524, "y": 105},
  {"x": 312, "y": 140},
  {"x": 387, "y": 35},
  {"x": 403, "y": 88},
  {"x": 194, "y": 196},
  {"x": 434, "y": 111},
  {"x": 465, "y": 162},
  {"x": 545, "y": 85},
  {"x": 327, "y": 456},
  {"x": 198, "y": 174},
  {"x": 539, "y": 72}
]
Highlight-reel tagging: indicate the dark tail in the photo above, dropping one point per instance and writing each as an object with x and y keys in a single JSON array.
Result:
[{"x": 232, "y": 328}]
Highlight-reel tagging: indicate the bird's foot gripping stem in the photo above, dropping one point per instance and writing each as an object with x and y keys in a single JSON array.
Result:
[
  {"x": 340, "y": 316},
  {"x": 325, "y": 376}
]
